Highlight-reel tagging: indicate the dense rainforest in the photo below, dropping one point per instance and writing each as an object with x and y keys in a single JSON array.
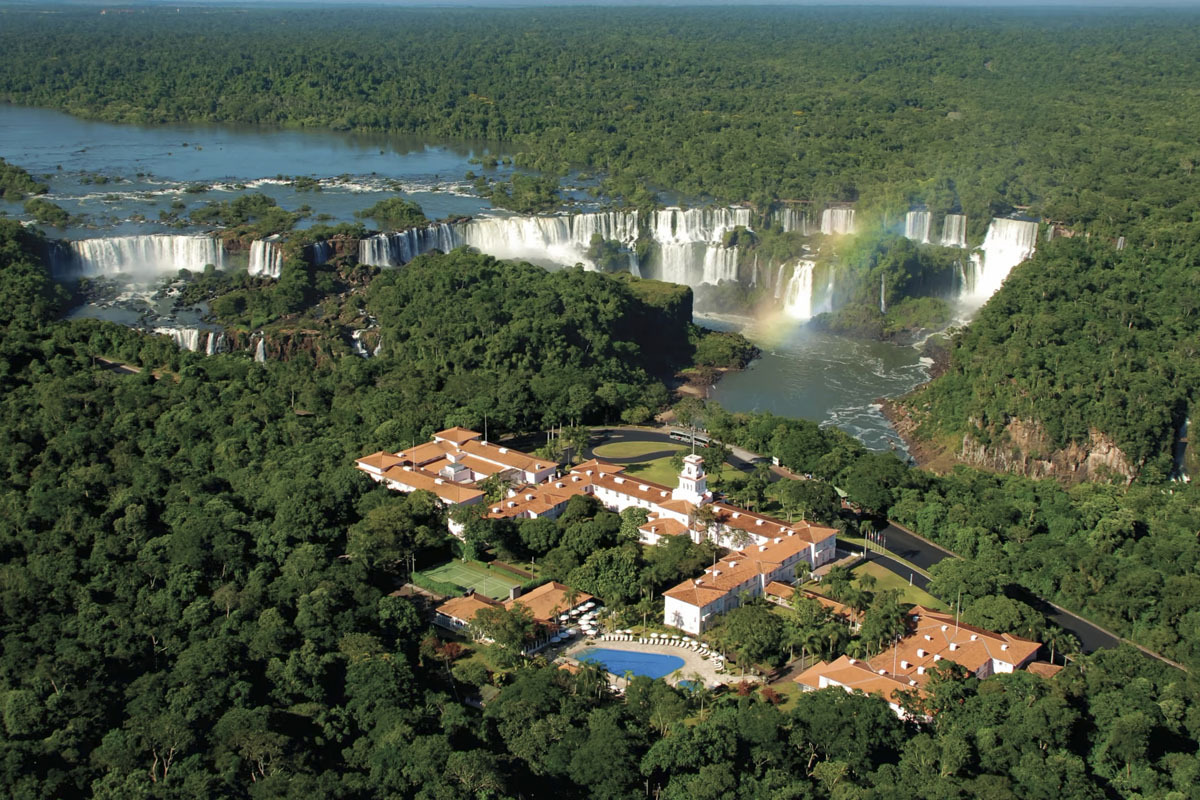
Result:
[
  {"x": 196, "y": 592},
  {"x": 1080, "y": 119},
  {"x": 197, "y": 587},
  {"x": 1080, "y": 116}
]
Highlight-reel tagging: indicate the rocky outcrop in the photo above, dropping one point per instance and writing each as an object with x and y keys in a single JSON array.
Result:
[{"x": 1023, "y": 447}]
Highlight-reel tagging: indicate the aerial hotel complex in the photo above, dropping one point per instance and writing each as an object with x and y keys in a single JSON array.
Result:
[{"x": 766, "y": 549}]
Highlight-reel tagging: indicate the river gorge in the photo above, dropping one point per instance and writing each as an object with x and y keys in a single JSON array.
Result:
[{"x": 129, "y": 189}]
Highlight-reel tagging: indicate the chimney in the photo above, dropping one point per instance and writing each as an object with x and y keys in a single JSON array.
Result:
[
  {"x": 904, "y": 665},
  {"x": 953, "y": 646},
  {"x": 974, "y": 637},
  {"x": 920, "y": 670},
  {"x": 920, "y": 653},
  {"x": 514, "y": 593}
]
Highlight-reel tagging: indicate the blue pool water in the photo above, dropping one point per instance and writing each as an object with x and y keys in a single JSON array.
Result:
[{"x": 618, "y": 662}]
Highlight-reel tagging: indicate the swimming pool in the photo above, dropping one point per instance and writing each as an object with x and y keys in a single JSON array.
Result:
[{"x": 618, "y": 662}]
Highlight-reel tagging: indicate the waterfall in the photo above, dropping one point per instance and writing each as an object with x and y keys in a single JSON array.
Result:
[
  {"x": 144, "y": 256},
  {"x": 1120, "y": 242},
  {"x": 882, "y": 295},
  {"x": 827, "y": 303},
  {"x": 319, "y": 253},
  {"x": 561, "y": 239},
  {"x": 359, "y": 347},
  {"x": 690, "y": 244},
  {"x": 266, "y": 257},
  {"x": 790, "y": 219},
  {"x": 798, "y": 299},
  {"x": 779, "y": 282},
  {"x": 397, "y": 249},
  {"x": 260, "y": 349},
  {"x": 184, "y": 338},
  {"x": 836, "y": 221},
  {"x": 954, "y": 231},
  {"x": 216, "y": 343},
  {"x": 916, "y": 226},
  {"x": 1008, "y": 243},
  {"x": 754, "y": 273}
]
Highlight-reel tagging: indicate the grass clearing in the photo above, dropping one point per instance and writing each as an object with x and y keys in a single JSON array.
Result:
[
  {"x": 472, "y": 575},
  {"x": 619, "y": 450},
  {"x": 660, "y": 471},
  {"x": 885, "y": 579}
]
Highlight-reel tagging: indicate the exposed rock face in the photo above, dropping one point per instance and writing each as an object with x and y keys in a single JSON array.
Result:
[{"x": 1024, "y": 448}]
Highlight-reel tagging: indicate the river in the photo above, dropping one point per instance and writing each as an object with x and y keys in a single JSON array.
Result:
[{"x": 118, "y": 179}]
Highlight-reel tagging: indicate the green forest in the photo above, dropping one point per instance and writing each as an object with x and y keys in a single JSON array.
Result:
[
  {"x": 196, "y": 586},
  {"x": 1081, "y": 116}
]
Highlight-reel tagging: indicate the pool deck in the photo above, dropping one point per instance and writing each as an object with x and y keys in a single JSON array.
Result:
[{"x": 692, "y": 662}]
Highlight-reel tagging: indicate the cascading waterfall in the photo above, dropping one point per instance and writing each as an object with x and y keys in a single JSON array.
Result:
[
  {"x": 1008, "y": 243},
  {"x": 260, "y": 349},
  {"x": 790, "y": 219},
  {"x": 397, "y": 249},
  {"x": 359, "y": 347},
  {"x": 882, "y": 295},
  {"x": 954, "y": 231},
  {"x": 693, "y": 238},
  {"x": 797, "y": 302},
  {"x": 216, "y": 343},
  {"x": 141, "y": 256},
  {"x": 319, "y": 253},
  {"x": 266, "y": 258},
  {"x": 779, "y": 282},
  {"x": 561, "y": 239},
  {"x": 184, "y": 338},
  {"x": 837, "y": 221},
  {"x": 916, "y": 226}
]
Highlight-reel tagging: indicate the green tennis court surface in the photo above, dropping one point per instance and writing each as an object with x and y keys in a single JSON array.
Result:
[{"x": 469, "y": 575}]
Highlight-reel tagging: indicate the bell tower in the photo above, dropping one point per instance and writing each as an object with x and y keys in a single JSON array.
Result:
[{"x": 693, "y": 483}]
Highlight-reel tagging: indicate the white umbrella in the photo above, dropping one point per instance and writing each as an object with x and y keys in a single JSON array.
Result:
[{"x": 564, "y": 617}]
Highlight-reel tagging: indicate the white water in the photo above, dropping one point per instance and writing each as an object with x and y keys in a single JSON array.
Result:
[
  {"x": 145, "y": 256},
  {"x": 837, "y": 221},
  {"x": 397, "y": 249},
  {"x": 798, "y": 301},
  {"x": 954, "y": 231},
  {"x": 561, "y": 239},
  {"x": 882, "y": 295},
  {"x": 1008, "y": 243},
  {"x": 791, "y": 219},
  {"x": 690, "y": 244},
  {"x": 319, "y": 253},
  {"x": 916, "y": 226},
  {"x": 359, "y": 347},
  {"x": 266, "y": 258},
  {"x": 216, "y": 343},
  {"x": 185, "y": 338},
  {"x": 260, "y": 349}
]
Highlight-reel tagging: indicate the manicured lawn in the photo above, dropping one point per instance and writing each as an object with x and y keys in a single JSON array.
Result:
[
  {"x": 621, "y": 450},
  {"x": 885, "y": 579},
  {"x": 661, "y": 471},
  {"x": 472, "y": 575}
]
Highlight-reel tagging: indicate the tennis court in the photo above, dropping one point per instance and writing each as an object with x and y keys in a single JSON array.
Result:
[{"x": 469, "y": 575}]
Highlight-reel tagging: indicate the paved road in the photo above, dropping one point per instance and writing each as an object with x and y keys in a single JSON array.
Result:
[{"x": 925, "y": 554}]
